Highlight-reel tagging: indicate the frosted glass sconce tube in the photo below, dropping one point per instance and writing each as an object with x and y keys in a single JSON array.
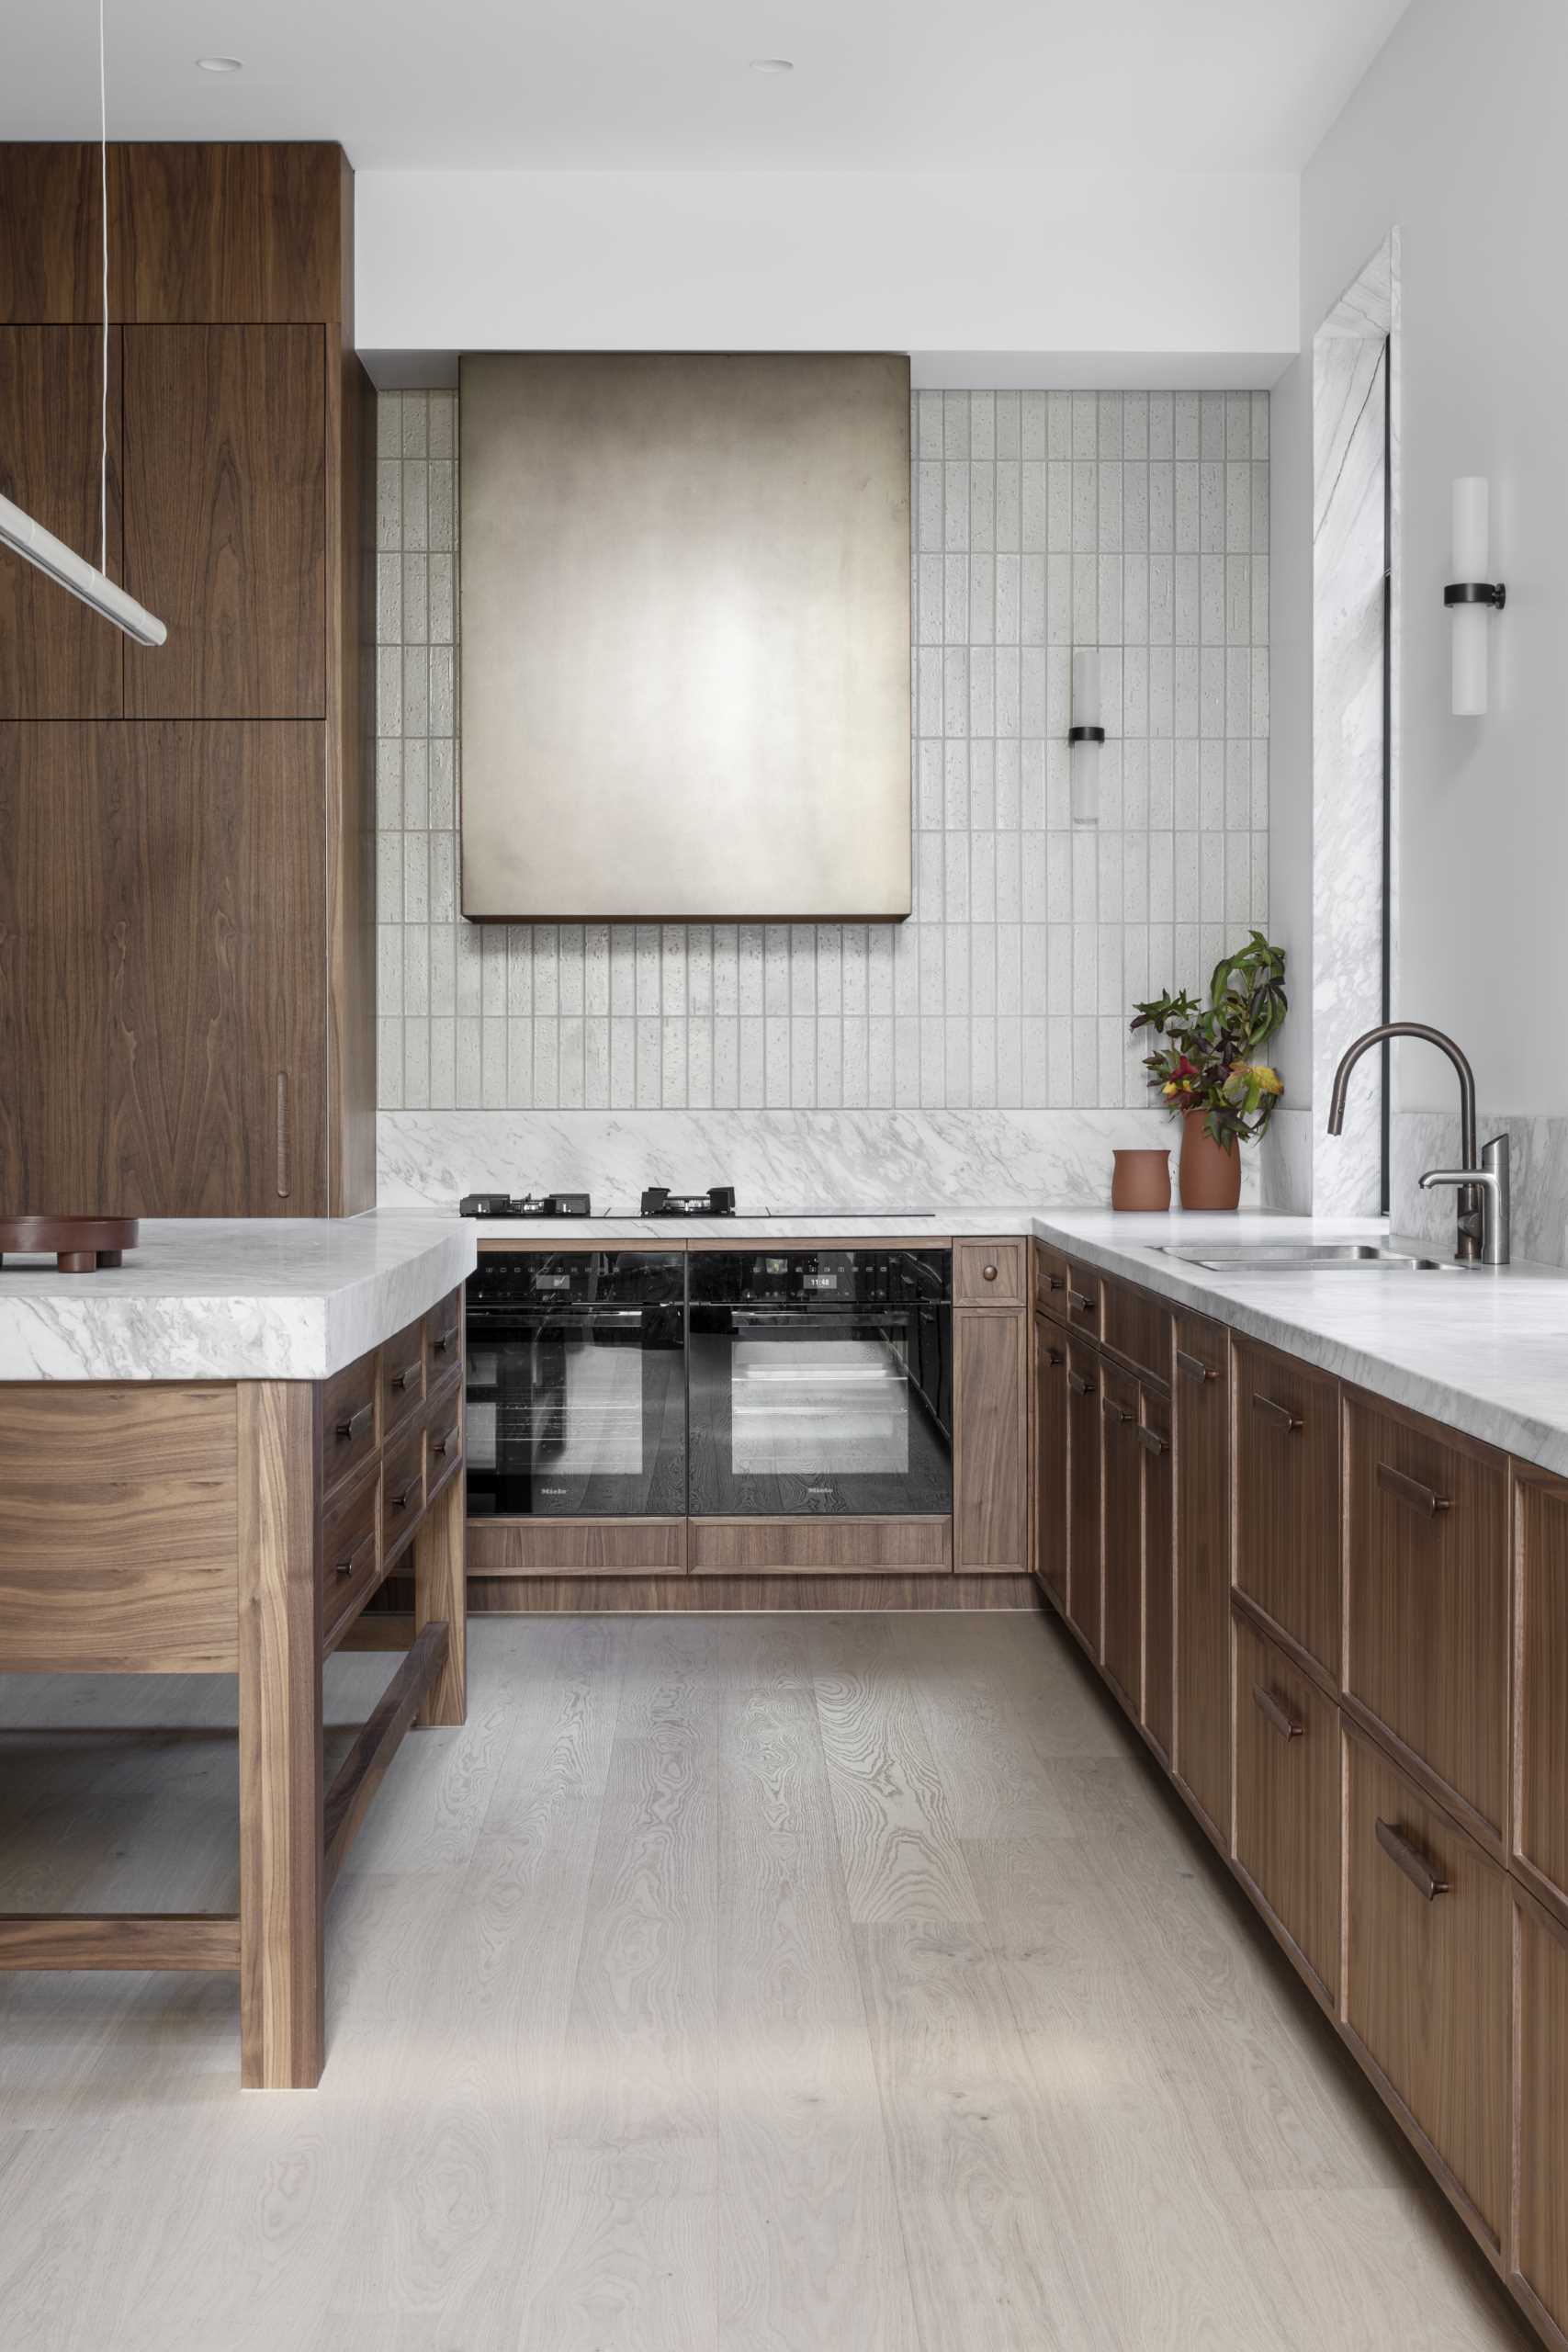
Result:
[
  {"x": 1085, "y": 736},
  {"x": 1470, "y": 596}
]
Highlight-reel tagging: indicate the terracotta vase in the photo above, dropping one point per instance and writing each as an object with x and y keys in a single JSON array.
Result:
[
  {"x": 1140, "y": 1180},
  {"x": 1210, "y": 1176}
]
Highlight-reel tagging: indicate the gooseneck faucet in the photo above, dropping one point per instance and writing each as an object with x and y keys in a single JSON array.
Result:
[{"x": 1481, "y": 1181}]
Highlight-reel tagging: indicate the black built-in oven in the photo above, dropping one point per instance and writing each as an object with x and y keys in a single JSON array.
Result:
[
  {"x": 819, "y": 1382},
  {"x": 577, "y": 1385}
]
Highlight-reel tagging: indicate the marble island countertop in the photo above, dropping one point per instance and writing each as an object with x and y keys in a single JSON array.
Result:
[{"x": 241, "y": 1298}]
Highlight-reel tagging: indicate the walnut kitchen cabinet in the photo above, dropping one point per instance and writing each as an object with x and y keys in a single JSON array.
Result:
[
  {"x": 991, "y": 1377},
  {"x": 1084, "y": 1453},
  {"x": 1051, "y": 1417},
  {"x": 1287, "y": 1458},
  {"x": 1121, "y": 1538},
  {"x": 1201, "y": 1439},
  {"x": 1541, "y": 1698},
  {"x": 1287, "y": 1801},
  {"x": 205, "y": 1078},
  {"x": 1540, "y": 2091},
  {"x": 1157, "y": 1447}
]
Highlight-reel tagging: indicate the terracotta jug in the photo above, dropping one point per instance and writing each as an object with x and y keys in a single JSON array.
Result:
[
  {"x": 1140, "y": 1180},
  {"x": 1210, "y": 1176}
]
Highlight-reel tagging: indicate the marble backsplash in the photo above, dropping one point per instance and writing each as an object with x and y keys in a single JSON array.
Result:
[
  {"x": 787, "y": 1159},
  {"x": 1538, "y": 1173}
]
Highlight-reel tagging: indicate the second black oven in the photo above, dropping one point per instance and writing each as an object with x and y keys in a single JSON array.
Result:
[{"x": 819, "y": 1382}]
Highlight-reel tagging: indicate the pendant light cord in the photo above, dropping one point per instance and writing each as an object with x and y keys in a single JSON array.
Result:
[{"x": 104, "y": 208}]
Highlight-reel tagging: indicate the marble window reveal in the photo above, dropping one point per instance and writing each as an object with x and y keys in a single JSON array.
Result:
[{"x": 1136, "y": 521}]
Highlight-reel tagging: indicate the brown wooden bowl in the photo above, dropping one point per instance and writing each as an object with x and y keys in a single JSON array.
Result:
[{"x": 78, "y": 1244}]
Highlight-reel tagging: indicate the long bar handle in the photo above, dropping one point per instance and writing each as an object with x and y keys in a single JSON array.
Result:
[
  {"x": 1280, "y": 1414},
  {"x": 1194, "y": 1367},
  {"x": 1408, "y": 1857},
  {"x": 1411, "y": 1492},
  {"x": 1282, "y": 1720}
]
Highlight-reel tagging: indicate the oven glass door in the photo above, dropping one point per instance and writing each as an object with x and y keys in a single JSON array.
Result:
[
  {"x": 576, "y": 1411},
  {"x": 823, "y": 1389}
]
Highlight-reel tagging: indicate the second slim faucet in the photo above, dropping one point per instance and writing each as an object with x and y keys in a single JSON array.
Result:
[{"x": 1481, "y": 1182}]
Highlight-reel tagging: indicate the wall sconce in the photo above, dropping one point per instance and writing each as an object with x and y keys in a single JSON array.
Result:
[
  {"x": 1085, "y": 736},
  {"x": 1469, "y": 595}
]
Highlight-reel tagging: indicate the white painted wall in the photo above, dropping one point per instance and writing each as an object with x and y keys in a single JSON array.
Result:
[
  {"x": 1175, "y": 278},
  {"x": 1455, "y": 136}
]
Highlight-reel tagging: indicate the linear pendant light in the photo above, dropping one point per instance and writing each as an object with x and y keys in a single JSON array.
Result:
[{"x": 28, "y": 538}]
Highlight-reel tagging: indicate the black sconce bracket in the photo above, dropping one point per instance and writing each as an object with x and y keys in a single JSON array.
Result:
[{"x": 1476, "y": 592}]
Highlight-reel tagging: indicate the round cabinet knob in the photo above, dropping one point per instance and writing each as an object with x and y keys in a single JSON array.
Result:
[{"x": 991, "y": 1273}]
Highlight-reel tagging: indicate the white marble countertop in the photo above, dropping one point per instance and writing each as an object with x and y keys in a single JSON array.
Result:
[
  {"x": 1484, "y": 1349},
  {"x": 243, "y": 1298}
]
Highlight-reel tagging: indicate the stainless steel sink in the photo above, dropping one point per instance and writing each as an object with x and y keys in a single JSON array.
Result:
[{"x": 1308, "y": 1256}]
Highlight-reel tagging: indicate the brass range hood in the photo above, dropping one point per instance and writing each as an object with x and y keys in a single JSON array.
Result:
[{"x": 685, "y": 636}]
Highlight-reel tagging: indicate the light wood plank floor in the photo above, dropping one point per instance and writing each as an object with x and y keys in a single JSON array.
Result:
[{"x": 726, "y": 1984}]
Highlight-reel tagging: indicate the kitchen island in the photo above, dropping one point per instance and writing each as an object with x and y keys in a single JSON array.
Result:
[{"x": 210, "y": 1458}]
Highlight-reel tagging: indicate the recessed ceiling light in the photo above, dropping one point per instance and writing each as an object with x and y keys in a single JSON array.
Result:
[
  {"x": 222, "y": 64},
  {"x": 772, "y": 65}
]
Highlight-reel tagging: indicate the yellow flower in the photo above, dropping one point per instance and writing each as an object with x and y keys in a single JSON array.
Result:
[{"x": 1259, "y": 1074}]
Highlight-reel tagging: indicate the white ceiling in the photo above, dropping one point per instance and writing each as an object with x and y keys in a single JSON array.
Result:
[{"x": 652, "y": 84}]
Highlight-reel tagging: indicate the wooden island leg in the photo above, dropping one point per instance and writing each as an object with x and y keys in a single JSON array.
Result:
[
  {"x": 281, "y": 2007},
  {"x": 440, "y": 1594}
]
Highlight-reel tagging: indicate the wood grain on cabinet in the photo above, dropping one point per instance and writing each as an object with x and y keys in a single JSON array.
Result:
[
  {"x": 1428, "y": 1946},
  {"x": 674, "y": 1593},
  {"x": 1084, "y": 1449},
  {"x": 399, "y": 1375},
  {"x": 225, "y": 529},
  {"x": 1288, "y": 1801},
  {"x": 57, "y": 660},
  {"x": 281, "y": 1975},
  {"x": 1051, "y": 1281},
  {"x": 51, "y": 233},
  {"x": 1540, "y": 1739},
  {"x": 1136, "y": 1326},
  {"x": 1287, "y": 1479},
  {"x": 1426, "y": 1608},
  {"x": 580, "y": 1547},
  {"x": 818, "y": 1546},
  {"x": 1051, "y": 1457},
  {"x": 402, "y": 1490},
  {"x": 119, "y": 1528},
  {"x": 991, "y": 1470},
  {"x": 350, "y": 1428},
  {"x": 116, "y": 1939},
  {"x": 1541, "y": 2084},
  {"x": 210, "y": 233},
  {"x": 350, "y": 1552},
  {"x": 439, "y": 1579},
  {"x": 991, "y": 1273},
  {"x": 1200, "y": 1400},
  {"x": 1156, "y": 1438},
  {"x": 1122, "y": 1618},
  {"x": 364, "y": 1769},
  {"x": 1083, "y": 1299}
]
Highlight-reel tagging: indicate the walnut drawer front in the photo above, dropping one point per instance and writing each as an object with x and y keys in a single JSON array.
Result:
[
  {"x": 443, "y": 1339},
  {"x": 1543, "y": 2108},
  {"x": 401, "y": 1377},
  {"x": 1427, "y": 1602},
  {"x": 351, "y": 1553},
  {"x": 1085, "y": 1450},
  {"x": 348, "y": 1421},
  {"x": 1050, "y": 1282},
  {"x": 1287, "y": 1798},
  {"x": 1428, "y": 1962},
  {"x": 1137, "y": 1327},
  {"x": 1540, "y": 1831},
  {"x": 1122, "y": 1625},
  {"x": 442, "y": 1437},
  {"x": 1287, "y": 1545},
  {"x": 402, "y": 1490},
  {"x": 990, "y": 1273}
]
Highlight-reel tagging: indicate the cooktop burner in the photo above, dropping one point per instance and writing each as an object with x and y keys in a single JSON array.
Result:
[
  {"x": 530, "y": 1204},
  {"x": 660, "y": 1200}
]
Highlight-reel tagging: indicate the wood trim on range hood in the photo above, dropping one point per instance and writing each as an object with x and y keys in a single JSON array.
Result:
[{"x": 685, "y": 636}]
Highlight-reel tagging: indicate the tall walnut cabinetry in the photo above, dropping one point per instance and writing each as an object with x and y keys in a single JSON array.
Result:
[
  {"x": 1359, "y": 1622},
  {"x": 187, "y": 904}
]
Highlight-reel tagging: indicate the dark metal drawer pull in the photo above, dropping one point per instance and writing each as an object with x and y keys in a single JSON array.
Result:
[
  {"x": 406, "y": 1378},
  {"x": 401, "y": 1501},
  {"x": 440, "y": 1446},
  {"x": 1194, "y": 1366},
  {"x": 1280, "y": 1717},
  {"x": 1281, "y": 1414},
  {"x": 1080, "y": 1386},
  {"x": 1081, "y": 1300},
  {"x": 1153, "y": 1440},
  {"x": 345, "y": 1568},
  {"x": 1408, "y": 1857},
  {"x": 358, "y": 1423},
  {"x": 1055, "y": 1356},
  {"x": 1411, "y": 1492},
  {"x": 1120, "y": 1410},
  {"x": 1053, "y": 1282},
  {"x": 443, "y": 1339}
]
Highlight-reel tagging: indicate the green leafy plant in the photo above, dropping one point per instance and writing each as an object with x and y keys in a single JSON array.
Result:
[{"x": 1210, "y": 1062}]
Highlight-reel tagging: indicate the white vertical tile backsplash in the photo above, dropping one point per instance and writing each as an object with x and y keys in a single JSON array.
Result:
[{"x": 1138, "y": 521}]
